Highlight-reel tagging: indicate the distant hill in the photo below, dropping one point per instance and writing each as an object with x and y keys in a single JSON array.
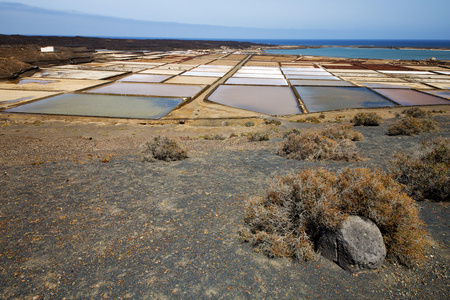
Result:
[
  {"x": 122, "y": 44},
  {"x": 28, "y": 20}
]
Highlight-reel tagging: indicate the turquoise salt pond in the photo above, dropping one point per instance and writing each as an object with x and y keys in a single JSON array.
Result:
[
  {"x": 264, "y": 99},
  {"x": 319, "y": 98},
  {"x": 101, "y": 106}
]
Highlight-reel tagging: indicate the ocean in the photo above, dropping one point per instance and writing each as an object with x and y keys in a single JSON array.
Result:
[
  {"x": 386, "y": 48},
  {"x": 367, "y": 43}
]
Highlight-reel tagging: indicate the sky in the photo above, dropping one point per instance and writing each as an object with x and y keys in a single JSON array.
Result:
[{"x": 337, "y": 19}]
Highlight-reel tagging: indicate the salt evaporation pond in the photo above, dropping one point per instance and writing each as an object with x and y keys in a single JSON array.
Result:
[
  {"x": 144, "y": 89},
  {"x": 101, "y": 106},
  {"x": 308, "y": 82},
  {"x": 411, "y": 97},
  {"x": 321, "y": 98},
  {"x": 263, "y": 99}
]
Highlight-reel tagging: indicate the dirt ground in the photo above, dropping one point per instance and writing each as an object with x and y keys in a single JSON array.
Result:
[{"x": 83, "y": 217}]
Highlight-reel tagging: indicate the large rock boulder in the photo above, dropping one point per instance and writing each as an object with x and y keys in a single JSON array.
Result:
[{"x": 358, "y": 245}]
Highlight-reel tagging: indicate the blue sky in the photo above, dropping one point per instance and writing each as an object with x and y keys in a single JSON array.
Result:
[{"x": 326, "y": 18}]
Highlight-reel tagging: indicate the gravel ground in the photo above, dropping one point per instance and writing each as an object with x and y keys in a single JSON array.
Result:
[{"x": 83, "y": 217}]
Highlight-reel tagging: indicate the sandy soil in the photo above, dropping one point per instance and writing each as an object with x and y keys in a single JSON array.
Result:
[{"x": 83, "y": 217}]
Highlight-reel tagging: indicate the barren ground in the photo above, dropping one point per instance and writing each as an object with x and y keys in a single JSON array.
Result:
[{"x": 83, "y": 217}]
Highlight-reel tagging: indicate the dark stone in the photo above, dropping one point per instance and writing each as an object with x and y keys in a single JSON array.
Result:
[{"x": 358, "y": 245}]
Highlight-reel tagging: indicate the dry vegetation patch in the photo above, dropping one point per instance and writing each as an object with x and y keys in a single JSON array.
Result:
[
  {"x": 413, "y": 126},
  {"x": 162, "y": 148},
  {"x": 332, "y": 143},
  {"x": 342, "y": 132},
  {"x": 287, "y": 219},
  {"x": 366, "y": 119},
  {"x": 426, "y": 170}
]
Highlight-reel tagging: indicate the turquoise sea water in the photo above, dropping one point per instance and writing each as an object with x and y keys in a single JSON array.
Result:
[{"x": 374, "y": 53}]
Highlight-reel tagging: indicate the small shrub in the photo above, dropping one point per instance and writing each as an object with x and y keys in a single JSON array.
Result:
[
  {"x": 313, "y": 120},
  {"x": 216, "y": 137},
  {"x": 321, "y": 116},
  {"x": 413, "y": 126},
  {"x": 291, "y": 131},
  {"x": 416, "y": 112},
  {"x": 225, "y": 123},
  {"x": 313, "y": 146},
  {"x": 366, "y": 119},
  {"x": 249, "y": 124},
  {"x": 287, "y": 219},
  {"x": 232, "y": 135},
  {"x": 162, "y": 148},
  {"x": 258, "y": 136},
  {"x": 425, "y": 171},
  {"x": 272, "y": 122},
  {"x": 342, "y": 132}
]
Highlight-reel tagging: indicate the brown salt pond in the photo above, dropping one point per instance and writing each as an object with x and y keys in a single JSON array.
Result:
[{"x": 411, "y": 97}]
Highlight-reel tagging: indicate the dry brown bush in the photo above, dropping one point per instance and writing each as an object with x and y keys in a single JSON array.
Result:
[
  {"x": 366, "y": 119},
  {"x": 309, "y": 145},
  {"x": 426, "y": 170},
  {"x": 258, "y": 136},
  {"x": 413, "y": 126},
  {"x": 342, "y": 132},
  {"x": 162, "y": 148},
  {"x": 287, "y": 219},
  {"x": 416, "y": 112}
]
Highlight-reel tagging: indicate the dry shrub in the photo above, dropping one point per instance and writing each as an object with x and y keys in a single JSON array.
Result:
[
  {"x": 426, "y": 170},
  {"x": 249, "y": 124},
  {"x": 342, "y": 132},
  {"x": 214, "y": 137},
  {"x": 272, "y": 122},
  {"x": 313, "y": 146},
  {"x": 366, "y": 119},
  {"x": 287, "y": 219},
  {"x": 291, "y": 131},
  {"x": 258, "y": 136},
  {"x": 416, "y": 112},
  {"x": 413, "y": 126},
  {"x": 162, "y": 148}
]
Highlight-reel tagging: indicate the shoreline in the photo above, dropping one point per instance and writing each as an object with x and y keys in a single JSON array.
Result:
[{"x": 175, "y": 43}]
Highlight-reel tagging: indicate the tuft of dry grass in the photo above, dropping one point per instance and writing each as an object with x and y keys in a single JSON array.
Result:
[
  {"x": 413, "y": 126},
  {"x": 426, "y": 170},
  {"x": 162, "y": 148},
  {"x": 287, "y": 219},
  {"x": 249, "y": 124},
  {"x": 366, "y": 119},
  {"x": 416, "y": 112},
  {"x": 214, "y": 137},
  {"x": 309, "y": 145},
  {"x": 341, "y": 132},
  {"x": 258, "y": 136}
]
